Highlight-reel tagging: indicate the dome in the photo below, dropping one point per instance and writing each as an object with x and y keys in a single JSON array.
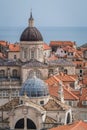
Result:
[
  {"x": 31, "y": 34},
  {"x": 34, "y": 87}
]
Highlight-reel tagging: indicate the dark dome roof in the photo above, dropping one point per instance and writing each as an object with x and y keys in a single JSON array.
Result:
[
  {"x": 31, "y": 34},
  {"x": 34, "y": 87}
]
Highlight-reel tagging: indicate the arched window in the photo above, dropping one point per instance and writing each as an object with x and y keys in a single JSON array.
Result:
[
  {"x": 65, "y": 71},
  {"x": 14, "y": 73},
  {"x": 25, "y": 53},
  {"x": 35, "y": 72},
  {"x": 32, "y": 53},
  {"x": 68, "y": 118},
  {"x": 2, "y": 73}
]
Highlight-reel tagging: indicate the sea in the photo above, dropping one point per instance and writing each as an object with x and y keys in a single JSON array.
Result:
[{"x": 77, "y": 34}]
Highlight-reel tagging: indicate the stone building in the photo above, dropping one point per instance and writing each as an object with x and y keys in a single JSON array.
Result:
[
  {"x": 28, "y": 56},
  {"x": 35, "y": 108}
]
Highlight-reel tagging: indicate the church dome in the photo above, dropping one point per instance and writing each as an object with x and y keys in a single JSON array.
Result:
[
  {"x": 34, "y": 87},
  {"x": 31, "y": 33}
]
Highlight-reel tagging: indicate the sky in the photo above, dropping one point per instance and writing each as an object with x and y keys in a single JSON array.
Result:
[{"x": 45, "y": 12}]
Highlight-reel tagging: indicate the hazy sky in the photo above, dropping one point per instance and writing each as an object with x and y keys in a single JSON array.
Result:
[{"x": 45, "y": 12}]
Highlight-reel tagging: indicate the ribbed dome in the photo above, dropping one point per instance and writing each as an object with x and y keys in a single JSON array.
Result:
[
  {"x": 31, "y": 34},
  {"x": 34, "y": 87}
]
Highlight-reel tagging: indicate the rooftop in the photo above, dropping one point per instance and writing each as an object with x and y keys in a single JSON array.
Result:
[{"x": 79, "y": 125}]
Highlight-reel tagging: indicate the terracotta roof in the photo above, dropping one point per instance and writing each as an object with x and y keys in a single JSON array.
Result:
[
  {"x": 52, "y": 57},
  {"x": 46, "y": 47},
  {"x": 79, "y": 63},
  {"x": 85, "y": 80},
  {"x": 53, "y": 84},
  {"x": 69, "y": 49},
  {"x": 68, "y": 95},
  {"x": 52, "y": 81},
  {"x": 66, "y": 78},
  {"x": 62, "y": 43},
  {"x": 14, "y": 48},
  {"x": 4, "y": 43},
  {"x": 83, "y": 96},
  {"x": 80, "y": 125}
]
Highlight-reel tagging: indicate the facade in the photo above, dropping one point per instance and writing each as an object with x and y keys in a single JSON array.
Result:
[
  {"x": 41, "y": 86},
  {"x": 25, "y": 99},
  {"x": 35, "y": 108}
]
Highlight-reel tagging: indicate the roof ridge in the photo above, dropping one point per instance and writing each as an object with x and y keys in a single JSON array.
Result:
[{"x": 71, "y": 93}]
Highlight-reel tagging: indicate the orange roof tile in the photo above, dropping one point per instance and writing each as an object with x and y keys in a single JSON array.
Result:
[
  {"x": 80, "y": 125},
  {"x": 53, "y": 84},
  {"x": 83, "y": 96},
  {"x": 66, "y": 78},
  {"x": 46, "y": 47},
  {"x": 14, "y": 47},
  {"x": 4, "y": 43},
  {"x": 62, "y": 43},
  {"x": 85, "y": 80},
  {"x": 68, "y": 95},
  {"x": 52, "y": 57}
]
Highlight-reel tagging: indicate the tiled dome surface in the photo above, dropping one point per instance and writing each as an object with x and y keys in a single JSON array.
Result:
[{"x": 34, "y": 87}]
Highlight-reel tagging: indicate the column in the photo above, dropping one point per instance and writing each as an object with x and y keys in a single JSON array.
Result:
[{"x": 25, "y": 123}]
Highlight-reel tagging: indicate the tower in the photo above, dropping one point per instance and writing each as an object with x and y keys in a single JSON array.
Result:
[{"x": 31, "y": 42}]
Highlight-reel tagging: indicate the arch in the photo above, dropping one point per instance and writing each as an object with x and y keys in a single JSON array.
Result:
[
  {"x": 36, "y": 72},
  {"x": 68, "y": 118},
  {"x": 2, "y": 73},
  {"x": 14, "y": 73},
  {"x": 20, "y": 124},
  {"x": 30, "y": 124}
]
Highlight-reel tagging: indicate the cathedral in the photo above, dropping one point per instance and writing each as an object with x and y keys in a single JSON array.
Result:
[{"x": 25, "y": 101}]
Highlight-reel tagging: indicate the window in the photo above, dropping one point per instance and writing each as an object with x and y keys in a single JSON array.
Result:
[
  {"x": 25, "y": 53},
  {"x": 21, "y": 102},
  {"x": 80, "y": 71},
  {"x": 15, "y": 93},
  {"x": 70, "y": 103},
  {"x": 84, "y": 103},
  {"x": 35, "y": 72},
  {"x": 14, "y": 73},
  {"x": 39, "y": 53},
  {"x": 32, "y": 53},
  {"x": 80, "y": 65},
  {"x": 15, "y": 57},
  {"x": 42, "y": 102},
  {"x": 50, "y": 71},
  {"x": 65, "y": 71},
  {"x": 4, "y": 93},
  {"x": 72, "y": 53},
  {"x": 2, "y": 73}
]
